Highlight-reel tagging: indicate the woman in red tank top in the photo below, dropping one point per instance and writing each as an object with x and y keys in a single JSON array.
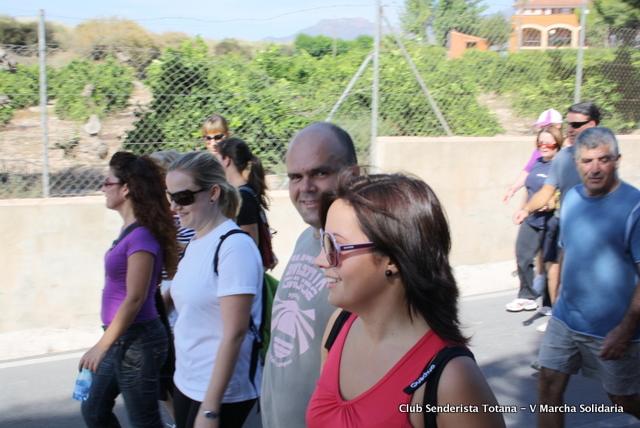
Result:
[{"x": 385, "y": 252}]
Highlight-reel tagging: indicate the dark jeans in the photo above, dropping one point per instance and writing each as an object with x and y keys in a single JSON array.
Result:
[
  {"x": 232, "y": 415},
  {"x": 527, "y": 245},
  {"x": 131, "y": 368}
]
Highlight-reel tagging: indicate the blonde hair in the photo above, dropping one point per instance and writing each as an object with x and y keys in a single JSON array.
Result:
[
  {"x": 214, "y": 123},
  {"x": 207, "y": 172}
]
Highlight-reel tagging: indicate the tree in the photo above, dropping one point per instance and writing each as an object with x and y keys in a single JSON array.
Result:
[
  {"x": 318, "y": 46},
  {"x": 459, "y": 15},
  {"x": 416, "y": 16},
  {"x": 23, "y": 34},
  {"x": 495, "y": 28},
  {"x": 232, "y": 46},
  {"x": 633, "y": 3},
  {"x": 612, "y": 23},
  {"x": 125, "y": 39},
  {"x": 615, "y": 13}
]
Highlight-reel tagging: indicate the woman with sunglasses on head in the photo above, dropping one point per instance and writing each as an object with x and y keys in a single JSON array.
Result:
[
  {"x": 214, "y": 130},
  {"x": 385, "y": 253},
  {"x": 129, "y": 356},
  {"x": 531, "y": 236},
  {"x": 244, "y": 171},
  {"x": 217, "y": 293}
]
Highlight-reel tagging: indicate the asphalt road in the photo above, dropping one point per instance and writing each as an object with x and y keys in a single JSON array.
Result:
[{"x": 36, "y": 392}]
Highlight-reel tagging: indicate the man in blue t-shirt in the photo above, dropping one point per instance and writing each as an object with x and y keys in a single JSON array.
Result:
[{"x": 595, "y": 322}]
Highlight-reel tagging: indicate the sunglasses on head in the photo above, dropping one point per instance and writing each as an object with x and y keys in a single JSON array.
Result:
[
  {"x": 184, "y": 197},
  {"x": 576, "y": 125},
  {"x": 332, "y": 250},
  {"x": 547, "y": 145},
  {"x": 216, "y": 137}
]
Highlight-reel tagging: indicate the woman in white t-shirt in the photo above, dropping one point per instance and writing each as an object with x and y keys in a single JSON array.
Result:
[{"x": 213, "y": 386}]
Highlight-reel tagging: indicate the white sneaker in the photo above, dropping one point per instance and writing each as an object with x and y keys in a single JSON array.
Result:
[
  {"x": 521, "y": 305},
  {"x": 546, "y": 311},
  {"x": 542, "y": 327}
]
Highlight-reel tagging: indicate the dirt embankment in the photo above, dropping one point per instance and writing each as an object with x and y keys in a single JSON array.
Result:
[{"x": 21, "y": 140}]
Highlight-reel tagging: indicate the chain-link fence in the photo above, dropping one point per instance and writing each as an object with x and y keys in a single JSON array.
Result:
[{"x": 108, "y": 98}]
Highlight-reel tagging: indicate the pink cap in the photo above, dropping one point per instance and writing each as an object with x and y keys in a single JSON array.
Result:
[{"x": 548, "y": 117}]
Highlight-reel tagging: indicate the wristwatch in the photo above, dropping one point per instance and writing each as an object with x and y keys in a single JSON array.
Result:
[{"x": 209, "y": 414}]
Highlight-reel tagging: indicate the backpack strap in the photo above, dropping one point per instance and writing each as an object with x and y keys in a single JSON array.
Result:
[
  {"x": 337, "y": 326},
  {"x": 257, "y": 337},
  {"x": 133, "y": 226},
  {"x": 222, "y": 238},
  {"x": 432, "y": 373}
]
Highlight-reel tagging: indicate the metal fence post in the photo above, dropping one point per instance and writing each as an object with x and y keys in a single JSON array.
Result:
[
  {"x": 376, "y": 85},
  {"x": 42, "y": 46},
  {"x": 346, "y": 91},
  {"x": 421, "y": 82},
  {"x": 583, "y": 23}
]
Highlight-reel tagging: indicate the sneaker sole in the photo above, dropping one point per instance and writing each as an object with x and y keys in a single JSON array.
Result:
[{"x": 522, "y": 309}]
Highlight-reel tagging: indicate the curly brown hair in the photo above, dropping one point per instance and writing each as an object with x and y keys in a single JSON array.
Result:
[{"x": 145, "y": 180}]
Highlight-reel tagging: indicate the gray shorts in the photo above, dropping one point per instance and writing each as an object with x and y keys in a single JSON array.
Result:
[{"x": 567, "y": 352}]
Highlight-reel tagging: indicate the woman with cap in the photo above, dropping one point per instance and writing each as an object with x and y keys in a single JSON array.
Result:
[{"x": 547, "y": 117}]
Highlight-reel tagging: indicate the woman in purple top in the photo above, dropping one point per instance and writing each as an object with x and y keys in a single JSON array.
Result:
[{"x": 129, "y": 356}]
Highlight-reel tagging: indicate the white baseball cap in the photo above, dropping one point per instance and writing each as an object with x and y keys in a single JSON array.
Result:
[{"x": 548, "y": 117}]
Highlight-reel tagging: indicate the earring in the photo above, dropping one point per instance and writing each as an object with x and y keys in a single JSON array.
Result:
[
  {"x": 125, "y": 197},
  {"x": 388, "y": 272}
]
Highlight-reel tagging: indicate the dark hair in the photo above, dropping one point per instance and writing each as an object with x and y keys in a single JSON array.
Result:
[
  {"x": 165, "y": 157},
  {"x": 555, "y": 133},
  {"x": 588, "y": 109},
  {"x": 145, "y": 181},
  {"x": 207, "y": 172},
  {"x": 240, "y": 154},
  {"x": 406, "y": 221}
]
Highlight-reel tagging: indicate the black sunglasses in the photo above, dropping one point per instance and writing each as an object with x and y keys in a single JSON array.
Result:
[
  {"x": 576, "y": 125},
  {"x": 213, "y": 137},
  {"x": 184, "y": 197}
]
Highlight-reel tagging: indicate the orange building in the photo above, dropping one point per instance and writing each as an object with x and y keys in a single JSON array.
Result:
[
  {"x": 546, "y": 24},
  {"x": 459, "y": 42}
]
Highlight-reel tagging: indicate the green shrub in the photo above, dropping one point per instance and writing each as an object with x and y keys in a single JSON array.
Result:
[{"x": 112, "y": 87}]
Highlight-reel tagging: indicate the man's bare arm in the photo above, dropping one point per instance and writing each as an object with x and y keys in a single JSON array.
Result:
[
  {"x": 537, "y": 201},
  {"x": 616, "y": 343}
]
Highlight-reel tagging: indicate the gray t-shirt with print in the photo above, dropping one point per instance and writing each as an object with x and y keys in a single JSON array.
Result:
[{"x": 300, "y": 314}]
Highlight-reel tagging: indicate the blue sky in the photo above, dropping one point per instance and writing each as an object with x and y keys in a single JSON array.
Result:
[{"x": 248, "y": 19}]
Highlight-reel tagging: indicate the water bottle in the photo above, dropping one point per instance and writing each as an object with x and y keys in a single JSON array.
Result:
[{"x": 83, "y": 384}]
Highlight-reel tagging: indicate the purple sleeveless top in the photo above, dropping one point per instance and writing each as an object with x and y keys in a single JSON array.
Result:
[{"x": 115, "y": 287}]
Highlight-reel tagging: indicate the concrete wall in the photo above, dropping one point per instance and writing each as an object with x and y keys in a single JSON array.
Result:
[
  {"x": 51, "y": 257},
  {"x": 470, "y": 175},
  {"x": 51, "y": 251}
]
